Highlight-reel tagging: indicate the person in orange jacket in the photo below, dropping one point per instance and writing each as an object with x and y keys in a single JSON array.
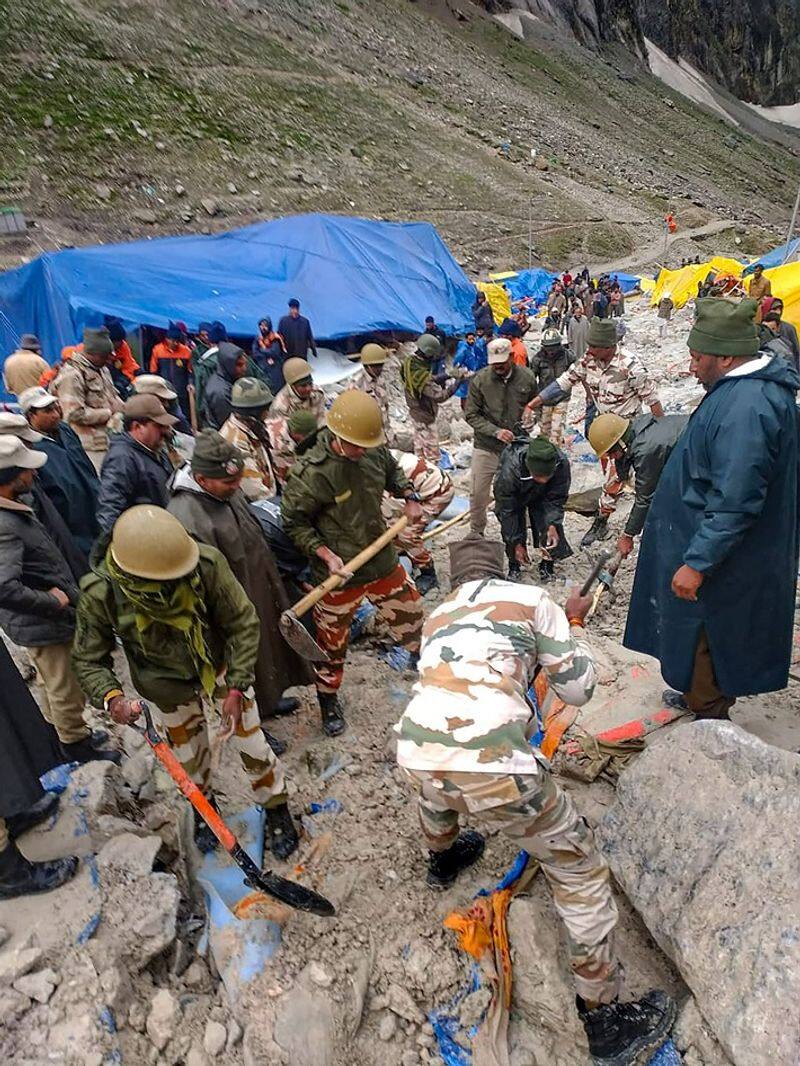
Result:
[
  {"x": 172, "y": 360},
  {"x": 122, "y": 365}
]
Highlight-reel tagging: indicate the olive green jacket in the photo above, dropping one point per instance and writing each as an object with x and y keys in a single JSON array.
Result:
[
  {"x": 334, "y": 502},
  {"x": 494, "y": 404},
  {"x": 162, "y": 667}
]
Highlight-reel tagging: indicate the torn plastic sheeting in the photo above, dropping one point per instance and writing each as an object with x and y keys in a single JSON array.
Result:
[
  {"x": 241, "y": 948},
  {"x": 458, "y": 505},
  {"x": 447, "y": 1027}
]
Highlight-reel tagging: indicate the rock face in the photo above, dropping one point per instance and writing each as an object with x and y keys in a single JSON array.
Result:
[
  {"x": 754, "y": 51},
  {"x": 705, "y": 839}
]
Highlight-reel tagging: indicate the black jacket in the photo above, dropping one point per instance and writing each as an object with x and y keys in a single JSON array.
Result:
[
  {"x": 217, "y": 396},
  {"x": 515, "y": 493},
  {"x": 131, "y": 474},
  {"x": 548, "y": 367},
  {"x": 297, "y": 336},
  {"x": 70, "y": 480},
  {"x": 651, "y": 446},
  {"x": 30, "y": 564},
  {"x": 483, "y": 315}
]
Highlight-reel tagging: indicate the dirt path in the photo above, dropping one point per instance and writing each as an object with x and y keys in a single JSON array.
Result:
[{"x": 654, "y": 251}]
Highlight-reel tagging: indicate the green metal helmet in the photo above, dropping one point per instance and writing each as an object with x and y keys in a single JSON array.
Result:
[
  {"x": 250, "y": 392},
  {"x": 551, "y": 338},
  {"x": 429, "y": 346}
]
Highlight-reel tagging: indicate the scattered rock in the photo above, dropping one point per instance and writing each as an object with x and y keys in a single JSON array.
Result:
[
  {"x": 12, "y": 1004},
  {"x": 319, "y": 975},
  {"x": 214, "y": 1038},
  {"x": 232, "y": 188},
  {"x": 137, "y": 1016},
  {"x": 14, "y": 964},
  {"x": 196, "y": 974},
  {"x": 235, "y": 1033},
  {"x": 47, "y": 122},
  {"x": 162, "y": 1021},
  {"x": 210, "y": 205},
  {"x": 401, "y": 1002},
  {"x": 196, "y": 1057},
  {"x": 180, "y": 190},
  {"x": 129, "y": 854},
  {"x": 387, "y": 1026},
  {"x": 39, "y": 986},
  {"x": 305, "y": 1028},
  {"x": 698, "y": 839},
  {"x": 144, "y": 214},
  {"x": 103, "y": 192},
  {"x": 541, "y": 163}
]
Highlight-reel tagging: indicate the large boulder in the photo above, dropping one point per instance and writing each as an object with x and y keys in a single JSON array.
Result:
[{"x": 705, "y": 839}]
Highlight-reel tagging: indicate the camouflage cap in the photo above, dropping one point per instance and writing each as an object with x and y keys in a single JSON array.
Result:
[
  {"x": 302, "y": 422},
  {"x": 250, "y": 393},
  {"x": 602, "y": 333},
  {"x": 475, "y": 559},
  {"x": 97, "y": 341},
  {"x": 215, "y": 457}
]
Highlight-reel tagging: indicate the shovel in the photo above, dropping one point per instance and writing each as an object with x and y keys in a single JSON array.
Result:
[
  {"x": 294, "y": 632},
  {"x": 289, "y": 892}
]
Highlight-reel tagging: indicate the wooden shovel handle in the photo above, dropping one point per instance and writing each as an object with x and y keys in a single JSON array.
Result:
[{"x": 335, "y": 580}]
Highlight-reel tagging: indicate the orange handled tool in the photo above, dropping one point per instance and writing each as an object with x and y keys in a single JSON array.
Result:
[{"x": 289, "y": 892}]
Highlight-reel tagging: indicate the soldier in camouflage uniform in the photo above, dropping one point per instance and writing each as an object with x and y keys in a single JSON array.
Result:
[
  {"x": 370, "y": 380},
  {"x": 620, "y": 385},
  {"x": 424, "y": 393},
  {"x": 468, "y": 745},
  {"x": 331, "y": 508},
  {"x": 246, "y": 430},
  {"x": 298, "y": 394}
]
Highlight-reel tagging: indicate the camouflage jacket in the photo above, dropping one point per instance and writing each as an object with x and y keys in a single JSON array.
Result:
[
  {"x": 286, "y": 403},
  {"x": 333, "y": 502},
  {"x": 258, "y": 478},
  {"x": 376, "y": 388},
  {"x": 88, "y": 399},
  {"x": 426, "y": 478},
  {"x": 480, "y": 649},
  {"x": 621, "y": 387}
]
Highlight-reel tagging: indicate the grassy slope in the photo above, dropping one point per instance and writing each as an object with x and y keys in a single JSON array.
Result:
[{"x": 380, "y": 107}]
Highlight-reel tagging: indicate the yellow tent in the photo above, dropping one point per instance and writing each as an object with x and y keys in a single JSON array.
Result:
[
  {"x": 499, "y": 300},
  {"x": 786, "y": 284},
  {"x": 681, "y": 284},
  {"x": 503, "y": 275}
]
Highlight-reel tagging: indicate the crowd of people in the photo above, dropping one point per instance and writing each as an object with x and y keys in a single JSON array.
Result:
[{"x": 116, "y": 535}]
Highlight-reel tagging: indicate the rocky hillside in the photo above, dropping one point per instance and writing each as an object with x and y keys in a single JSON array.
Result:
[
  {"x": 751, "y": 49},
  {"x": 124, "y": 118}
]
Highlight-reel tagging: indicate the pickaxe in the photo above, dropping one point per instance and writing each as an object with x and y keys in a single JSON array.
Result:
[{"x": 606, "y": 581}]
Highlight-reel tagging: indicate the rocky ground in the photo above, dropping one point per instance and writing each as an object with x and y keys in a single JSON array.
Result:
[
  {"x": 106, "y": 969},
  {"x": 124, "y": 118}
]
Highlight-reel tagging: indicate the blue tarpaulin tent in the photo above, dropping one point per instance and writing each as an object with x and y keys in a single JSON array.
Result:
[
  {"x": 351, "y": 275},
  {"x": 627, "y": 282},
  {"x": 776, "y": 257},
  {"x": 535, "y": 283}
]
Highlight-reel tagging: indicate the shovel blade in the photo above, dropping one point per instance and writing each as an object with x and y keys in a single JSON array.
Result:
[
  {"x": 298, "y": 637},
  {"x": 291, "y": 893}
]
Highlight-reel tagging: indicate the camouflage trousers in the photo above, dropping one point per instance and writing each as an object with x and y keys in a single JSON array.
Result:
[
  {"x": 410, "y": 540},
  {"x": 426, "y": 441},
  {"x": 612, "y": 489},
  {"x": 541, "y": 818},
  {"x": 187, "y": 734},
  {"x": 399, "y": 607},
  {"x": 553, "y": 421}
]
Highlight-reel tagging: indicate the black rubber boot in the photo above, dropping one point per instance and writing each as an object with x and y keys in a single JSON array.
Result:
[
  {"x": 445, "y": 866},
  {"x": 426, "y": 580},
  {"x": 20, "y": 877},
  {"x": 673, "y": 699},
  {"x": 84, "y": 751},
  {"x": 598, "y": 530},
  {"x": 285, "y": 705},
  {"x": 620, "y": 1034},
  {"x": 98, "y": 737},
  {"x": 204, "y": 838},
  {"x": 333, "y": 723},
  {"x": 278, "y": 746},
  {"x": 547, "y": 570},
  {"x": 281, "y": 831},
  {"x": 17, "y": 824}
]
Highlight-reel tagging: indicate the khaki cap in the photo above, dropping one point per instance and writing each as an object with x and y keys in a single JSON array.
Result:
[
  {"x": 14, "y": 453},
  {"x": 17, "y": 426},
  {"x": 147, "y": 408},
  {"x": 35, "y": 397},
  {"x": 154, "y": 385}
]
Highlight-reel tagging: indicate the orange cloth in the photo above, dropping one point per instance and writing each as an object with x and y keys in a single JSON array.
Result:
[
  {"x": 519, "y": 352},
  {"x": 123, "y": 360},
  {"x": 161, "y": 351}
]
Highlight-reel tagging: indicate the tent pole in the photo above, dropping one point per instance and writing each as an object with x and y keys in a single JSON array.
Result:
[{"x": 791, "y": 225}]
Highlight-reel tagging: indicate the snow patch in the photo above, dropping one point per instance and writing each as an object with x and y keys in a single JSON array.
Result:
[
  {"x": 685, "y": 79},
  {"x": 784, "y": 114}
]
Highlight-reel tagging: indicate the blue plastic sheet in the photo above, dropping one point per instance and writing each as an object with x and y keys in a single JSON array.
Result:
[
  {"x": 535, "y": 283},
  {"x": 776, "y": 257},
  {"x": 352, "y": 276}
]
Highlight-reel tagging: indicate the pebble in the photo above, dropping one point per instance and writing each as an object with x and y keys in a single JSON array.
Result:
[
  {"x": 235, "y": 1034},
  {"x": 409, "y": 1058},
  {"x": 210, "y": 205},
  {"x": 162, "y": 1021},
  {"x": 387, "y": 1027},
  {"x": 319, "y": 975},
  {"x": 103, "y": 192},
  {"x": 14, "y": 964},
  {"x": 47, "y": 122},
  {"x": 144, "y": 214},
  {"x": 39, "y": 986},
  {"x": 180, "y": 190},
  {"x": 195, "y": 974},
  {"x": 231, "y": 188},
  {"x": 196, "y": 1057},
  {"x": 214, "y": 1039}
]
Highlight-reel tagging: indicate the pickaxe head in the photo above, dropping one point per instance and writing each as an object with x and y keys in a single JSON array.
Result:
[
  {"x": 298, "y": 637},
  {"x": 608, "y": 573}
]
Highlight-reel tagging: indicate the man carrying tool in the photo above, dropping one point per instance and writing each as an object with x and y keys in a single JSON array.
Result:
[
  {"x": 424, "y": 393},
  {"x": 533, "y": 479},
  {"x": 190, "y": 636},
  {"x": 619, "y": 384},
  {"x": 714, "y": 595},
  {"x": 641, "y": 445},
  {"x": 331, "y": 508},
  {"x": 435, "y": 490},
  {"x": 468, "y": 743},
  {"x": 495, "y": 404}
]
